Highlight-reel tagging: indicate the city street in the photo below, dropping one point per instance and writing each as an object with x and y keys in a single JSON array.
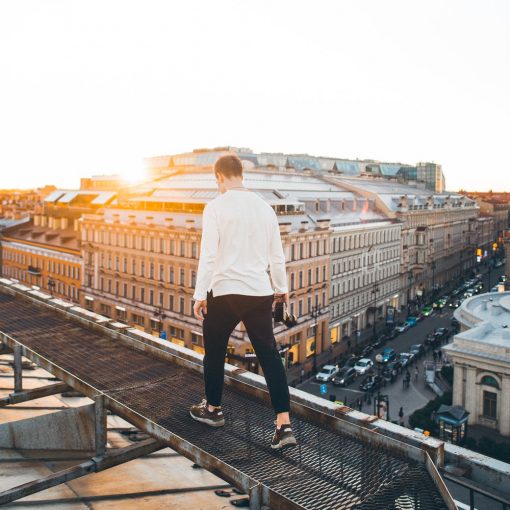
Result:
[{"x": 418, "y": 393}]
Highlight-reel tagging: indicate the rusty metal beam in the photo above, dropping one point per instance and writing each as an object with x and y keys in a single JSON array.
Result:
[
  {"x": 439, "y": 482},
  {"x": 24, "y": 396},
  {"x": 18, "y": 371},
  {"x": 90, "y": 466}
]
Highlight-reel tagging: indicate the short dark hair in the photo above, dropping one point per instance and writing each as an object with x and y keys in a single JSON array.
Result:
[{"x": 229, "y": 166}]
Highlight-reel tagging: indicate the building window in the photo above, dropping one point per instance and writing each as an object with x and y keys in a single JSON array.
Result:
[
  {"x": 171, "y": 275},
  {"x": 181, "y": 277},
  {"x": 181, "y": 305},
  {"x": 490, "y": 404},
  {"x": 171, "y": 302},
  {"x": 176, "y": 332},
  {"x": 183, "y": 248},
  {"x": 292, "y": 281},
  {"x": 138, "y": 319},
  {"x": 193, "y": 278},
  {"x": 488, "y": 380},
  {"x": 194, "y": 250}
]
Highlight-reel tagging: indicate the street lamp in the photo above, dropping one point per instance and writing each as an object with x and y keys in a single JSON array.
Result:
[
  {"x": 375, "y": 290},
  {"x": 316, "y": 310},
  {"x": 160, "y": 315},
  {"x": 378, "y": 362},
  {"x": 51, "y": 285},
  {"x": 433, "y": 266},
  {"x": 410, "y": 277}
]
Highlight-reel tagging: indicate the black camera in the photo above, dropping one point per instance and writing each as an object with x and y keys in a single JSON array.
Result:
[{"x": 280, "y": 315}]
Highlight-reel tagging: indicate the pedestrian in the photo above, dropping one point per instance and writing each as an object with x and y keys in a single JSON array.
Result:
[
  {"x": 416, "y": 372},
  {"x": 401, "y": 416},
  {"x": 408, "y": 378},
  {"x": 393, "y": 374},
  {"x": 240, "y": 239},
  {"x": 360, "y": 404},
  {"x": 434, "y": 355}
]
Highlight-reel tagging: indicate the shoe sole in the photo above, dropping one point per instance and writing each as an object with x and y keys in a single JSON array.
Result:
[
  {"x": 289, "y": 441},
  {"x": 211, "y": 423}
]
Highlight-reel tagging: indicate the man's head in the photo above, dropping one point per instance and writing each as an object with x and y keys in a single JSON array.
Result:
[{"x": 228, "y": 171}]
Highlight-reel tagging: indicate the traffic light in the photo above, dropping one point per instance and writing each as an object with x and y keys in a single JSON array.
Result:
[
  {"x": 478, "y": 252},
  {"x": 494, "y": 246}
]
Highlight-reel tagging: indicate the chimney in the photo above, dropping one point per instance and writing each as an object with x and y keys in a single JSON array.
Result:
[
  {"x": 323, "y": 223},
  {"x": 285, "y": 228},
  {"x": 169, "y": 222},
  {"x": 304, "y": 226}
]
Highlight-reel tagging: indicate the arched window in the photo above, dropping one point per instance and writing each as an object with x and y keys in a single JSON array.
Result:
[{"x": 488, "y": 380}]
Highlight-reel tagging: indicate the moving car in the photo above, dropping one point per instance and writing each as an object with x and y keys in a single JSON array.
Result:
[
  {"x": 327, "y": 372},
  {"x": 371, "y": 383},
  {"x": 344, "y": 376},
  {"x": 442, "y": 333},
  {"x": 388, "y": 355},
  {"x": 401, "y": 328},
  {"x": 426, "y": 311},
  {"x": 417, "y": 350},
  {"x": 388, "y": 370},
  {"x": 406, "y": 358},
  {"x": 455, "y": 303},
  {"x": 351, "y": 361},
  {"x": 363, "y": 366}
]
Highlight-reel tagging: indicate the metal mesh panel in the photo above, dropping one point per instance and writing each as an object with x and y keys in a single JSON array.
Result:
[{"x": 328, "y": 470}]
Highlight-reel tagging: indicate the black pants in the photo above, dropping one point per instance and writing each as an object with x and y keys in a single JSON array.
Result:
[{"x": 223, "y": 315}]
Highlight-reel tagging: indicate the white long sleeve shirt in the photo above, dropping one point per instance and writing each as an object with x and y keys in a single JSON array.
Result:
[{"x": 240, "y": 240}]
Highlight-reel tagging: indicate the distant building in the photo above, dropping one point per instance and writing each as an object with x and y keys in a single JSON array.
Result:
[
  {"x": 481, "y": 358},
  {"x": 432, "y": 175},
  {"x": 45, "y": 251}
]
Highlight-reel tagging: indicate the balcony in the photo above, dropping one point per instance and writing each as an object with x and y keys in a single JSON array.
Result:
[{"x": 36, "y": 271}]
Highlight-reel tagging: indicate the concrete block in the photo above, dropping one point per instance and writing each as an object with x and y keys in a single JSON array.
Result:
[{"x": 70, "y": 429}]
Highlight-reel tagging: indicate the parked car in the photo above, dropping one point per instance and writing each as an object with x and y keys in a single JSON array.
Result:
[
  {"x": 344, "y": 376},
  {"x": 401, "y": 328},
  {"x": 380, "y": 340},
  {"x": 371, "y": 383},
  {"x": 412, "y": 320},
  {"x": 427, "y": 310},
  {"x": 367, "y": 350},
  {"x": 442, "y": 333},
  {"x": 392, "y": 333},
  {"x": 406, "y": 358},
  {"x": 350, "y": 361},
  {"x": 417, "y": 350},
  {"x": 327, "y": 372},
  {"x": 388, "y": 355},
  {"x": 363, "y": 366}
]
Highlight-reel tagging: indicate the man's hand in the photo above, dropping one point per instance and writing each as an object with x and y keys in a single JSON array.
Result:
[
  {"x": 281, "y": 297},
  {"x": 200, "y": 309}
]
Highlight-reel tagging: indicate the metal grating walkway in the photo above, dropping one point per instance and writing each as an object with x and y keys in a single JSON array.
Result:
[{"x": 329, "y": 470}]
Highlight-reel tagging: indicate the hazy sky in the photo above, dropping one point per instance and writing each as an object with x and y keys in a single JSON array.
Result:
[{"x": 93, "y": 87}]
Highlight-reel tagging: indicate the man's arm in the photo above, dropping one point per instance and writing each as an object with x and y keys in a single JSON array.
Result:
[
  {"x": 277, "y": 259},
  {"x": 208, "y": 250}
]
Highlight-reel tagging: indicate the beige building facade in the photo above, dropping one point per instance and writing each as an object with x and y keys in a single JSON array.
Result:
[{"x": 481, "y": 358}]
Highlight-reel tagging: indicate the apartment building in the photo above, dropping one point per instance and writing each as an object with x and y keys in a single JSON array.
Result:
[{"x": 45, "y": 251}]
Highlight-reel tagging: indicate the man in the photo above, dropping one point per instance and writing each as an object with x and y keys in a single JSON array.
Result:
[{"x": 240, "y": 239}]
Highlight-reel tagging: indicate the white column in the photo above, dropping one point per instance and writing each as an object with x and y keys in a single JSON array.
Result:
[
  {"x": 471, "y": 395},
  {"x": 458, "y": 386},
  {"x": 504, "y": 408}
]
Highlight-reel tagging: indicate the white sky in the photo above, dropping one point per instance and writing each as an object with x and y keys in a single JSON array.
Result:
[{"x": 92, "y": 87}]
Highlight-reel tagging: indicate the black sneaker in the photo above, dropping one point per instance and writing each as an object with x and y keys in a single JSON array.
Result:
[
  {"x": 283, "y": 436},
  {"x": 200, "y": 413}
]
